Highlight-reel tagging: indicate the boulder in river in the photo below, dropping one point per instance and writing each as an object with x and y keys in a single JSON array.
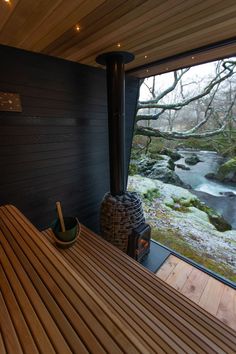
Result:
[
  {"x": 161, "y": 169},
  {"x": 173, "y": 154},
  {"x": 192, "y": 160},
  {"x": 182, "y": 167},
  {"x": 226, "y": 172},
  {"x": 211, "y": 175}
]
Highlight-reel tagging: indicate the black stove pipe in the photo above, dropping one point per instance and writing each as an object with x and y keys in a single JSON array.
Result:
[{"x": 115, "y": 62}]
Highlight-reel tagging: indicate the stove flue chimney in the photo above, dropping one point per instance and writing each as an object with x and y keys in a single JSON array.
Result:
[{"x": 114, "y": 62}]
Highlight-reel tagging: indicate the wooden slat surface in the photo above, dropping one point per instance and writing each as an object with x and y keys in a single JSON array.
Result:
[
  {"x": 108, "y": 301},
  {"x": 2, "y": 345},
  {"x": 152, "y": 29},
  {"x": 84, "y": 323},
  {"x": 209, "y": 293},
  {"x": 78, "y": 257}
]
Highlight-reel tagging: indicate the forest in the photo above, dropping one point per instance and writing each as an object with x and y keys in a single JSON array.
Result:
[{"x": 183, "y": 161}]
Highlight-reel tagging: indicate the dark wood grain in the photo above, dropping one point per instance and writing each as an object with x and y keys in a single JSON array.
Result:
[{"x": 57, "y": 147}]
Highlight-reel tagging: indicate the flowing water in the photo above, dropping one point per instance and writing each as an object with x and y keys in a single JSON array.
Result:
[{"x": 207, "y": 190}]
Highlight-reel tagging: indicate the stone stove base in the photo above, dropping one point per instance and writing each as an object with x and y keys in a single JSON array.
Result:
[{"x": 120, "y": 215}]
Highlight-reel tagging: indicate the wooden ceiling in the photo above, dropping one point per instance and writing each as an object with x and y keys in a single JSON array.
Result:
[{"x": 151, "y": 29}]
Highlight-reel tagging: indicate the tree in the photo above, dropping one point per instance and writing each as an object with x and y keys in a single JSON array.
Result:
[{"x": 210, "y": 104}]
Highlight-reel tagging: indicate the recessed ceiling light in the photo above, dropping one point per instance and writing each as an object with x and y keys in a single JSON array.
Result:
[
  {"x": 193, "y": 57},
  {"x": 147, "y": 70},
  {"x": 77, "y": 27},
  {"x": 145, "y": 56},
  {"x": 118, "y": 45},
  {"x": 167, "y": 68}
]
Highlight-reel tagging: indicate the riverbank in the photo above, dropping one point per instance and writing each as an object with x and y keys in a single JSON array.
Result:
[
  {"x": 177, "y": 222},
  {"x": 219, "y": 196}
]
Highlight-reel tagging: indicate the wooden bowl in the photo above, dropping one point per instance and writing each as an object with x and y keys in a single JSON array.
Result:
[{"x": 66, "y": 244}]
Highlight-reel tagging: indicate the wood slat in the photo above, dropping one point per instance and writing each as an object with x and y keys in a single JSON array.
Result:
[
  {"x": 146, "y": 280},
  {"x": 63, "y": 18},
  {"x": 2, "y": 345},
  {"x": 56, "y": 327},
  {"x": 64, "y": 110},
  {"x": 25, "y": 17},
  {"x": 168, "y": 25},
  {"x": 107, "y": 13},
  {"x": 28, "y": 344},
  {"x": 211, "y": 295},
  {"x": 151, "y": 29},
  {"x": 227, "y": 307},
  {"x": 6, "y": 10},
  {"x": 9, "y": 335},
  {"x": 137, "y": 311},
  {"x": 69, "y": 255},
  {"x": 95, "y": 276},
  {"x": 104, "y": 325}
]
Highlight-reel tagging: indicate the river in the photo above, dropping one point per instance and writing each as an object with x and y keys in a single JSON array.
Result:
[{"x": 207, "y": 190}]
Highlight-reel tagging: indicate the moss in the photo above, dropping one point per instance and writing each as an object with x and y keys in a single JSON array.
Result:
[
  {"x": 227, "y": 167},
  {"x": 178, "y": 207},
  {"x": 151, "y": 195},
  {"x": 133, "y": 169},
  {"x": 175, "y": 241},
  {"x": 183, "y": 205}
]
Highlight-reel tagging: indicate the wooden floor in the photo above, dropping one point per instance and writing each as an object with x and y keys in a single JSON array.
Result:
[{"x": 209, "y": 293}]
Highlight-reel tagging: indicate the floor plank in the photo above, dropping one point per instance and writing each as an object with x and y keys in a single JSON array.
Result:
[
  {"x": 195, "y": 285},
  {"x": 212, "y": 295},
  {"x": 179, "y": 275},
  {"x": 227, "y": 307},
  {"x": 167, "y": 267}
]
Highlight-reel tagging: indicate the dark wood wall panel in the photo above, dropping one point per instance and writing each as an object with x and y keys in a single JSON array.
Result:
[{"x": 57, "y": 147}]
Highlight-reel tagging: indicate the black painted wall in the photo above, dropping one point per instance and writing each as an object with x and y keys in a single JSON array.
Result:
[{"x": 57, "y": 148}]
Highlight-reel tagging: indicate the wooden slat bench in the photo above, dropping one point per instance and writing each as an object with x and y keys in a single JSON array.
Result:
[{"x": 94, "y": 298}]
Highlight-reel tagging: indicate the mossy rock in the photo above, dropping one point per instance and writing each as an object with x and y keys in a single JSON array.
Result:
[
  {"x": 151, "y": 194},
  {"x": 219, "y": 222},
  {"x": 227, "y": 171},
  {"x": 192, "y": 160},
  {"x": 174, "y": 155},
  {"x": 183, "y": 205},
  {"x": 133, "y": 169}
]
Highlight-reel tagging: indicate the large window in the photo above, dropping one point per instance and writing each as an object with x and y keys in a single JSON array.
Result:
[{"x": 183, "y": 162}]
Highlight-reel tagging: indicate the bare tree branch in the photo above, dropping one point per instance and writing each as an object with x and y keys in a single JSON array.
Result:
[
  {"x": 211, "y": 108},
  {"x": 228, "y": 70},
  {"x": 152, "y": 132}
]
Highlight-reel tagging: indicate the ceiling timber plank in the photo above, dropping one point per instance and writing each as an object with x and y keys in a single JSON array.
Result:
[
  {"x": 177, "y": 19},
  {"x": 28, "y": 15},
  {"x": 101, "y": 17},
  {"x": 153, "y": 30},
  {"x": 65, "y": 17}
]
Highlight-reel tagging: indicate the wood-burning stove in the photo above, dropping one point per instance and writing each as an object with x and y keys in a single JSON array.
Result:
[
  {"x": 139, "y": 242},
  {"x": 122, "y": 217}
]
